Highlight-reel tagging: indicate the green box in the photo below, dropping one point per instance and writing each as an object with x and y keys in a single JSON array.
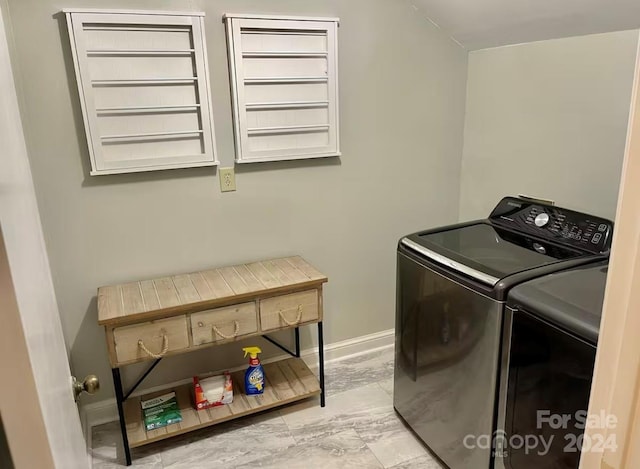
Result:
[{"x": 161, "y": 411}]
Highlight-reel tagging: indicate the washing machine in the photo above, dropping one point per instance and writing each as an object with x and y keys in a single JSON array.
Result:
[
  {"x": 549, "y": 349},
  {"x": 452, "y": 286}
]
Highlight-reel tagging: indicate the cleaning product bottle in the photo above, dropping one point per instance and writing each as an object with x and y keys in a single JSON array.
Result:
[{"x": 254, "y": 376}]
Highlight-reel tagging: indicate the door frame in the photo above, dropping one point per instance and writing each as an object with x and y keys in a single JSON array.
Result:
[
  {"x": 19, "y": 403},
  {"x": 616, "y": 384},
  {"x": 40, "y": 417}
]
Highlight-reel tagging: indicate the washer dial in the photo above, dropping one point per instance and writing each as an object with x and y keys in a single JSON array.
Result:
[{"x": 541, "y": 220}]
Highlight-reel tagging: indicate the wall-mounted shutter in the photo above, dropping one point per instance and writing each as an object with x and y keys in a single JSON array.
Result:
[
  {"x": 144, "y": 89},
  {"x": 284, "y": 82}
]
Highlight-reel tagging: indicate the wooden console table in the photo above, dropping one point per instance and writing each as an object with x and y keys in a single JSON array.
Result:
[{"x": 153, "y": 319}]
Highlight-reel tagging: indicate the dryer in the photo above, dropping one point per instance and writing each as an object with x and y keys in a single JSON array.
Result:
[{"x": 549, "y": 349}]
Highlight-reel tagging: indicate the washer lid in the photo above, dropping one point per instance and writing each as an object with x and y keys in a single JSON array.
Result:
[
  {"x": 488, "y": 250},
  {"x": 571, "y": 299}
]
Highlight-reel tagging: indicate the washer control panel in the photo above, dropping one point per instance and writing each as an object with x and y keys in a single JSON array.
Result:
[{"x": 565, "y": 226}]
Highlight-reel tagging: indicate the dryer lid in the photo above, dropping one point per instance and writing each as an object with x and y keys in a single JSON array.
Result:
[{"x": 571, "y": 299}]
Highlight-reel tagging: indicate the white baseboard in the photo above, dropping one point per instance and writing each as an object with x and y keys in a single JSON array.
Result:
[
  {"x": 351, "y": 347},
  {"x": 105, "y": 411}
]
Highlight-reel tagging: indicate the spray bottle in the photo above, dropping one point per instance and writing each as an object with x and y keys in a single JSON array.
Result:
[{"x": 254, "y": 376}]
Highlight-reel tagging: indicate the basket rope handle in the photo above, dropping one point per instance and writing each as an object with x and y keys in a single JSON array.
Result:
[
  {"x": 298, "y": 317},
  {"x": 236, "y": 330},
  {"x": 163, "y": 352}
]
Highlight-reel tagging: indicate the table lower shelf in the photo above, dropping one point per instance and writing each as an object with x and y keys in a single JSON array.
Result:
[{"x": 287, "y": 381}]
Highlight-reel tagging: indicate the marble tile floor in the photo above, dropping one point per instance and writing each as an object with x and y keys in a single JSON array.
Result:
[{"x": 358, "y": 428}]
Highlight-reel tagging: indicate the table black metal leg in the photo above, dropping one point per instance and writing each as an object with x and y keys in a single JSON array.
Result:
[
  {"x": 297, "y": 334},
  {"x": 117, "y": 382},
  {"x": 321, "y": 362}
]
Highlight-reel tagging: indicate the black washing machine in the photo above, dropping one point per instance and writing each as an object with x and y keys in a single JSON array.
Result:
[
  {"x": 549, "y": 349},
  {"x": 452, "y": 285}
]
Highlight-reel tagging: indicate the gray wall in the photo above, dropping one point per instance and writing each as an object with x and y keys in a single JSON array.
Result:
[
  {"x": 402, "y": 92},
  {"x": 548, "y": 119}
]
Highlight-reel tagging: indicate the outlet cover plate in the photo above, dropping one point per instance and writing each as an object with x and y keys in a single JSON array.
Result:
[{"x": 227, "y": 179}]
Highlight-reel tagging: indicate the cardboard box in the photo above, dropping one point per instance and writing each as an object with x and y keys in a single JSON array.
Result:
[
  {"x": 212, "y": 391},
  {"x": 161, "y": 411}
]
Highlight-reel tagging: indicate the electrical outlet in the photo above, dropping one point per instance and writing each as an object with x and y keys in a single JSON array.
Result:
[{"x": 227, "y": 179}]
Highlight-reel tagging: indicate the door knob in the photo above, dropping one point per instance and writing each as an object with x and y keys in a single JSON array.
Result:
[{"x": 90, "y": 385}]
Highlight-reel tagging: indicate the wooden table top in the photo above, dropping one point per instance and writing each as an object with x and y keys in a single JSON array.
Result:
[{"x": 146, "y": 299}]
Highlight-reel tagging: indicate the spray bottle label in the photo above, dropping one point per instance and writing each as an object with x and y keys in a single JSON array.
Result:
[{"x": 255, "y": 381}]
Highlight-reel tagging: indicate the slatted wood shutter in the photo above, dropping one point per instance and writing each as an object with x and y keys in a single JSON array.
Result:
[
  {"x": 144, "y": 89},
  {"x": 284, "y": 87}
]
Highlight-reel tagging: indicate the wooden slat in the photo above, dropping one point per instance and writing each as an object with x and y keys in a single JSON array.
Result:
[
  {"x": 277, "y": 272},
  {"x": 133, "y": 407},
  {"x": 292, "y": 379},
  {"x": 278, "y": 391},
  {"x": 149, "y": 135},
  {"x": 214, "y": 413},
  {"x": 145, "y": 81},
  {"x": 238, "y": 406},
  {"x": 149, "y": 109},
  {"x": 133, "y": 418},
  {"x": 112, "y": 301},
  {"x": 280, "y": 129},
  {"x": 276, "y": 54},
  {"x": 200, "y": 283},
  {"x": 149, "y": 295},
  {"x": 132, "y": 297},
  {"x": 248, "y": 402},
  {"x": 291, "y": 271},
  {"x": 269, "y": 395},
  {"x": 166, "y": 291},
  {"x": 251, "y": 281},
  {"x": 287, "y": 105},
  {"x": 234, "y": 280},
  {"x": 258, "y": 401},
  {"x": 217, "y": 283},
  {"x": 252, "y": 402},
  {"x": 103, "y": 302},
  {"x": 143, "y": 52},
  {"x": 255, "y": 80},
  {"x": 262, "y": 274},
  {"x": 186, "y": 291},
  {"x": 306, "y": 268},
  {"x": 303, "y": 375},
  {"x": 190, "y": 417},
  {"x": 278, "y": 381},
  {"x": 159, "y": 433}
]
